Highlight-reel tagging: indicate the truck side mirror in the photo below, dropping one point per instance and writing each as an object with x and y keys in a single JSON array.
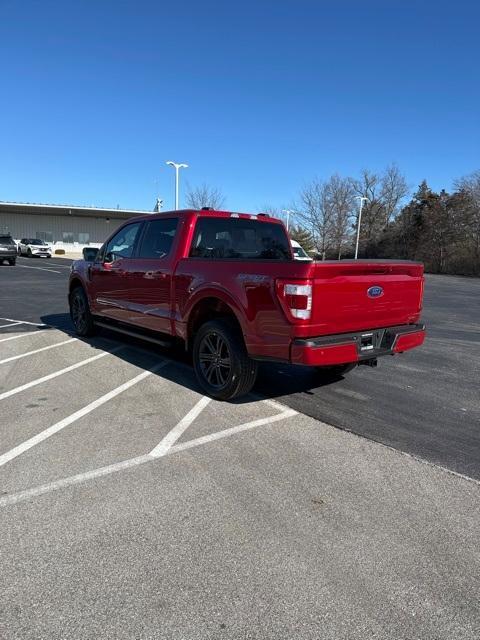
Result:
[{"x": 89, "y": 254}]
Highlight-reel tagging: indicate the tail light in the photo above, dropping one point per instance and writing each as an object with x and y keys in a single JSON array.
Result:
[
  {"x": 295, "y": 298},
  {"x": 422, "y": 289}
]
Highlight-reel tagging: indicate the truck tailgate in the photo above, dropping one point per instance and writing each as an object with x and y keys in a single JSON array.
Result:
[{"x": 358, "y": 295}]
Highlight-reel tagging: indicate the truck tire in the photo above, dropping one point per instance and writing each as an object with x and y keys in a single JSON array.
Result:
[
  {"x": 336, "y": 370},
  {"x": 12, "y": 262},
  {"x": 80, "y": 313},
  {"x": 223, "y": 368}
]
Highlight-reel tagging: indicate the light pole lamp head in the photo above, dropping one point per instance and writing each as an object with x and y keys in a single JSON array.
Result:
[{"x": 177, "y": 165}]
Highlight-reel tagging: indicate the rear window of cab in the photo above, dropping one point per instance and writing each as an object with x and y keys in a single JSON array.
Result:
[{"x": 239, "y": 238}]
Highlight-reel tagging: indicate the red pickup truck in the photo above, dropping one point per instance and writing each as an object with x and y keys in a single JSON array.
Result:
[{"x": 227, "y": 286}]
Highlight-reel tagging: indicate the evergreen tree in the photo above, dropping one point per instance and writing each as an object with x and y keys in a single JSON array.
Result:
[
  {"x": 303, "y": 237},
  {"x": 428, "y": 229}
]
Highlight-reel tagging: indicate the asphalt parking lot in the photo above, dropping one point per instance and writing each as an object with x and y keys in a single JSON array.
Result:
[
  {"x": 425, "y": 403},
  {"x": 131, "y": 506}
]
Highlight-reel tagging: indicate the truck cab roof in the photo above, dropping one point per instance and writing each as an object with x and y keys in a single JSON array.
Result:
[{"x": 210, "y": 213}]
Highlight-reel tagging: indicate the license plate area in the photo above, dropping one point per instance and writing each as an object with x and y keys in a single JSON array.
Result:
[
  {"x": 366, "y": 342},
  {"x": 374, "y": 342}
]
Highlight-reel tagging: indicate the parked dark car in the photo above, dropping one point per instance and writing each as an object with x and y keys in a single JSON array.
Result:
[{"x": 8, "y": 249}]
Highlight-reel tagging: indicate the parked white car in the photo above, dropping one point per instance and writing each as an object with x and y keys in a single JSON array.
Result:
[
  {"x": 299, "y": 252},
  {"x": 31, "y": 247}
]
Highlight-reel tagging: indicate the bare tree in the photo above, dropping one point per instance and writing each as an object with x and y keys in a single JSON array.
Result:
[
  {"x": 393, "y": 189},
  {"x": 325, "y": 210},
  {"x": 205, "y": 196},
  {"x": 271, "y": 211},
  {"x": 368, "y": 186},
  {"x": 316, "y": 215},
  {"x": 288, "y": 214},
  {"x": 385, "y": 193},
  {"x": 341, "y": 199},
  {"x": 469, "y": 186}
]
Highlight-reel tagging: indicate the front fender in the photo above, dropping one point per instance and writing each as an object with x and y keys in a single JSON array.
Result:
[{"x": 79, "y": 274}]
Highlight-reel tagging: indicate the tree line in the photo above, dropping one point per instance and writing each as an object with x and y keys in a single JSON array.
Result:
[{"x": 442, "y": 230}]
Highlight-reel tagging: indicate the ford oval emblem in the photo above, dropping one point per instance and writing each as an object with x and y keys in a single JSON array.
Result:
[{"x": 375, "y": 292}]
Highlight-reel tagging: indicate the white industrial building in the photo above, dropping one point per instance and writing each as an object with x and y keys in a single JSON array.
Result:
[{"x": 63, "y": 226}]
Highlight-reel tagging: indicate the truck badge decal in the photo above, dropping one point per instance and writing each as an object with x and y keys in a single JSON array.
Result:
[{"x": 375, "y": 292}]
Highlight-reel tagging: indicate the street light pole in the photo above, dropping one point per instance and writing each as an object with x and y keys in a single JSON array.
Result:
[
  {"x": 177, "y": 168},
  {"x": 288, "y": 212},
  {"x": 362, "y": 200}
]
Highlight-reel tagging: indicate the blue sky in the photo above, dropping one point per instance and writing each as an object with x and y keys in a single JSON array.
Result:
[{"x": 257, "y": 96}]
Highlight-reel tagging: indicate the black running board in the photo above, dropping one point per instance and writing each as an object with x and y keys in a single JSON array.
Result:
[{"x": 133, "y": 334}]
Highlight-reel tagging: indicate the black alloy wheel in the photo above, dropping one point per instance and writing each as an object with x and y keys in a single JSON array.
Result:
[
  {"x": 223, "y": 368},
  {"x": 80, "y": 313},
  {"x": 215, "y": 362}
]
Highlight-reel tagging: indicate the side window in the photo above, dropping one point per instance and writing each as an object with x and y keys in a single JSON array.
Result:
[
  {"x": 158, "y": 238},
  {"x": 122, "y": 243}
]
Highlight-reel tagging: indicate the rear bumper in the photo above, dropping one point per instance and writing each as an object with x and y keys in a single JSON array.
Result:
[{"x": 356, "y": 347}]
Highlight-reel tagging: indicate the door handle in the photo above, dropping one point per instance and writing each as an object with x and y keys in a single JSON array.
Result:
[{"x": 155, "y": 274}]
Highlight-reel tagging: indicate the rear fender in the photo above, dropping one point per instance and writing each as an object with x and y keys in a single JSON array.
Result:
[{"x": 211, "y": 292}]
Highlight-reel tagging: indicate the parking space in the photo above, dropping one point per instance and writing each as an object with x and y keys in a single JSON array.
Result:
[{"x": 75, "y": 406}]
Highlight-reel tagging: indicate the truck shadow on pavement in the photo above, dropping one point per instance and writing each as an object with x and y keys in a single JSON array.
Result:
[{"x": 274, "y": 380}]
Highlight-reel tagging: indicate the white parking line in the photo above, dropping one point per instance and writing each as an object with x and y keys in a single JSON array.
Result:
[
  {"x": 62, "y": 266},
  {"x": 232, "y": 431},
  {"x": 30, "y": 353},
  {"x": 10, "y": 324},
  {"x": 25, "y": 266},
  {"x": 53, "y": 260},
  {"x": 33, "y": 324},
  {"x": 55, "y": 374},
  {"x": 272, "y": 403},
  {"x": 80, "y": 478},
  {"x": 50, "y": 265},
  {"x": 14, "y": 498},
  {"x": 22, "y": 335},
  {"x": 55, "y": 428},
  {"x": 173, "y": 435}
]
